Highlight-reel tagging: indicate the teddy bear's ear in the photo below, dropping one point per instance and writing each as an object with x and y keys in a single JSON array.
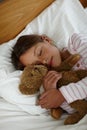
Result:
[
  {"x": 65, "y": 54},
  {"x": 67, "y": 64},
  {"x": 73, "y": 59}
]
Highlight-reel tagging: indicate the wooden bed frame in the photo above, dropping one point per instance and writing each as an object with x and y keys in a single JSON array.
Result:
[{"x": 16, "y": 14}]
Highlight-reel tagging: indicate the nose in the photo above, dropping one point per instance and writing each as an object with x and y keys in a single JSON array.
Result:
[{"x": 43, "y": 61}]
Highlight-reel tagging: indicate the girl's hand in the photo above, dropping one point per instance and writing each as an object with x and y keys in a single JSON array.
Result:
[
  {"x": 50, "y": 80},
  {"x": 51, "y": 99}
]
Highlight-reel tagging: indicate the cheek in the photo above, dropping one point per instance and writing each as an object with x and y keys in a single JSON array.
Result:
[
  {"x": 25, "y": 59},
  {"x": 54, "y": 51}
]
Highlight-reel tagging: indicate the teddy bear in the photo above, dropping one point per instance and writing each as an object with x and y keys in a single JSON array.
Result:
[{"x": 32, "y": 78}]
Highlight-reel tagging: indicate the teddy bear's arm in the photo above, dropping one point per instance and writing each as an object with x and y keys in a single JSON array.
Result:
[
  {"x": 81, "y": 107},
  {"x": 67, "y": 77},
  {"x": 81, "y": 74},
  {"x": 71, "y": 76}
]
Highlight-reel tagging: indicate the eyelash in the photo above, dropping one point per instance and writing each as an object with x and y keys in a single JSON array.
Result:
[{"x": 40, "y": 53}]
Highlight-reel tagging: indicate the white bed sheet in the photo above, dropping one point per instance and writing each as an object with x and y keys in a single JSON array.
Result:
[
  {"x": 12, "y": 118},
  {"x": 59, "y": 21}
]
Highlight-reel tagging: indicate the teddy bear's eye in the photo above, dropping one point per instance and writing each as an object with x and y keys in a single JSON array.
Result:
[
  {"x": 31, "y": 74},
  {"x": 36, "y": 69}
]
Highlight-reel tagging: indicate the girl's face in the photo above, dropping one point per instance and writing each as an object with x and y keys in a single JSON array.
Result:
[{"x": 44, "y": 53}]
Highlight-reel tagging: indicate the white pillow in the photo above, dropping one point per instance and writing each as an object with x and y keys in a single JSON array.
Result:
[{"x": 59, "y": 21}]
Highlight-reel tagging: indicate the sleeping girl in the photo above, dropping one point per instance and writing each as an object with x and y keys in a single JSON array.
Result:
[{"x": 40, "y": 49}]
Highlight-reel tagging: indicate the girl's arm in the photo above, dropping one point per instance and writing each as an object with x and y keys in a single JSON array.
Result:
[{"x": 74, "y": 91}]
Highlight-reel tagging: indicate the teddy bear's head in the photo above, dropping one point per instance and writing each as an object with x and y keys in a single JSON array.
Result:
[{"x": 31, "y": 78}]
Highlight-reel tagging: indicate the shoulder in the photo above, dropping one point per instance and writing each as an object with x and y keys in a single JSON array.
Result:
[
  {"x": 78, "y": 37},
  {"x": 77, "y": 41}
]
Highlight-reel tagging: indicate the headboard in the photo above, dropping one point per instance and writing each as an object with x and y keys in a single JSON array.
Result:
[{"x": 16, "y": 14}]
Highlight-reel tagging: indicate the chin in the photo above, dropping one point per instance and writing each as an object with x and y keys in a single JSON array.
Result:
[{"x": 54, "y": 65}]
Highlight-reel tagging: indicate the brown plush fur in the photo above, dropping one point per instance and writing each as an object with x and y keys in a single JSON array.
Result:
[{"x": 32, "y": 77}]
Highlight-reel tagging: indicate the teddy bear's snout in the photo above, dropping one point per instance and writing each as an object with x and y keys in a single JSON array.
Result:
[{"x": 36, "y": 70}]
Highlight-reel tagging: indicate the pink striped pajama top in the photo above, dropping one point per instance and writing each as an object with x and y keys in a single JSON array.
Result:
[{"x": 74, "y": 91}]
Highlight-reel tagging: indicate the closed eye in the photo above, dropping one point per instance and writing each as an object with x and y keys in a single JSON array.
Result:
[{"x": 40, "y": 52}]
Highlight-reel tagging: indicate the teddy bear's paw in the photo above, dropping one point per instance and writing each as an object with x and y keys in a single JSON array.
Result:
[
  {"x": 72, "y": 119},
  {"x": 56, "y": 113}
]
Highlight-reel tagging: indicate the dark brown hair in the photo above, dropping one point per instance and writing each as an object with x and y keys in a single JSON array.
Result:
[{"x": 22, "y": 45}]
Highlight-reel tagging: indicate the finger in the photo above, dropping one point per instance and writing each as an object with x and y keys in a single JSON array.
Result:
[
  {"x": 50, "y": 75},
  {"x": 54, "y": 79},
  {"x": 42, "y": 102},
  {"x": 43, "y": 95},
  {"x": 47, "y": 106}
]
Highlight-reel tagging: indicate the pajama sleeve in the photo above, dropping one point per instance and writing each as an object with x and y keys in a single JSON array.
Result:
[{"x": 74, "y": 91}]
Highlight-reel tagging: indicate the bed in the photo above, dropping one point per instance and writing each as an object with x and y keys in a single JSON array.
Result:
[{"x": 58, "y": 19}]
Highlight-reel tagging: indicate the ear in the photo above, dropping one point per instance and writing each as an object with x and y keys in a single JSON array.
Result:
[{"x": 46, "y": 38}]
